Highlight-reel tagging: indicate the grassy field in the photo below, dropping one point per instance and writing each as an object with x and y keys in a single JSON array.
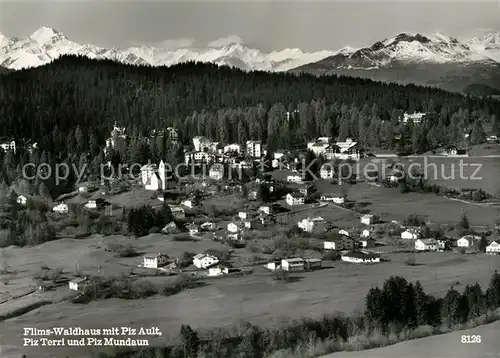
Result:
[
  {"x": 443, "y": 346},
  {"x": 256, "y": 298},
  {"x": 390, "y": 204}
]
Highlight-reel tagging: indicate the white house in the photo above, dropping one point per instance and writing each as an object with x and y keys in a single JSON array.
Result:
[
  {"x": 295, "y": 199},
  {"x": 217, "y": 271},
  {"x": 368, "y": 219},
  {"x": 468, "y": 240},
  {"x": 493, "y": 247},
  {"x": 296, "y": 264},
  {"x": 367, "y": 242},
  {"x": 77, "y": 283},
  {"x": 317, "y": 147},
  {"x": 232, "y": 148},
  {"x": 365, "y": 233},
  {"x": 242, "y": 215},
  {"x": 9, "y": 146},
  {"x": 410, "y": 234},
  {"x": 155, "y": 261},
  {"x": 343, "y": 150},
  {"x": 334, "y": 198},
  {"x": 360, "y": 257},
  {"x": 416, "y": 117},
  {"x": 308, "y": 224},
  {"x": 327, "y": 171},
  {"x": 274, "y": 265},
  {"x": 91, "y": 204},
  {"x": 232, "y": 227},
  {"x": 187, "y": 203},
  {"x": 209, "y": 226},
  {"x": 294, "y": 178},
  {"x": 254, "y": 148},
  {"x": 204, "y": 260},
  {"x": 343, "y": 232},
  {"x": 61, "y": 208},
  {"x": 21, "y": 199},
  {"x": 426, "y": 245},
  {"x": 265, "y": 209}
]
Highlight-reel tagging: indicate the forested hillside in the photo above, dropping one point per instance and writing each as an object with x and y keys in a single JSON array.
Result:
[{"x": 69, "y": 106}]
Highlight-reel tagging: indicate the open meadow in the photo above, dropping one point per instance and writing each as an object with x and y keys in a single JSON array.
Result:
[{"x": 222, "y": 301}]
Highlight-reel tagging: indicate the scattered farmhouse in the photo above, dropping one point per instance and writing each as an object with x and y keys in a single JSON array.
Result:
[
  {"x": 414, "y": 118},
  {"x": 8, "y": 146},
  {"x": 493, "y": 247},
  {"x": 309, "y": 224},
  {"x": 61, "y": 208},
  {"x": 368, "y": 219},
  {"x": 21, "y": 199},
  {"x": 426, "y": 245},
  {"x": 410, "y": 234},
  {"x": 360, "y": 257},
  {"x": 295, "y": 264},
  {"x": 313, "y": 264},
  {"x": 295, "y": 199},
  {"x": 336, "y": 198},
  {"x": 327, "y": 171},
  {"x": 77, "y": 283},
  {"x": 338, "y": 242},
  {"x": 204, "y": 260},
  {"x": 217, "y": 270},
  {"x": 468, "y": 240},
  {"x": 155, "y": 261}
]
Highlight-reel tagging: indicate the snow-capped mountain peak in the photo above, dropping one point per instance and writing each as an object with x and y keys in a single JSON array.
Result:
[{"x": 45, "y": 34}]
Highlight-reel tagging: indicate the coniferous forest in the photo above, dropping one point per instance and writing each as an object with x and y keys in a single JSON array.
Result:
[{"x": 70, "y": 106}]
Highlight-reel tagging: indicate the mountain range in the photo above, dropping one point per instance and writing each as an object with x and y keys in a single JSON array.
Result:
[{"x": 436, "y": 59}]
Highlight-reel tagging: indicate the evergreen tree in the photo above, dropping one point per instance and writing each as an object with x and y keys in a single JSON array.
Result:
[
  {"x": 477, "y": 136},
  {"x": 190, "y": 341}
]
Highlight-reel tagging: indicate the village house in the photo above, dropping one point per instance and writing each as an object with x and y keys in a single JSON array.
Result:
[
  {"x": 233, "y": 227},
  {"x": 266, "y": 209},
  {"x": 294, "y": 178},
  {"x": 218, "y": 270},
  {"x": 232, "y": 148},
  {"x": 410, "y": 234},
  {"x": 365, "y": 233},
  {"x": 327, "y": 171},
  {"x": 265, "y": 219},
  {"x": 318, "y": 148},
  {"x": 274, "y": 265},
  {"x": 468, "y": 240},
  {"x": 346, "y": 150},
  {"x": 308, "y": 224},
  {"x": 21, "y": 199},
  {"x": 243, "y": 215},
  {"x": 61, "y": 208},
  {"x": 8, "y": 146},
  {"x": 493, "y": 247},
  {"x": 426, "y": 245},
  {"x": 415, "y": 118},
  {"x": 313, "y": 264},
  {"x": 369, "y": 219},
  {"x": 155, "y": 260},
  {"x": 295, "y": 199},
  {"x": 344, "y": 232},
  {"x": 187, "y": 203},
  {"x": 97, "y": 203},
  {"x": 204, "y": 261},
  {"x": 334, "y": 198},
  {"x": 254, "y": 148},
  {"x": 193, "y": 228},
  {"x": 360, "y": 257},
  {"x": 77, "y": 283},
  {"x": 295, "y": 264},
  {"x": 338, "y": 242}
]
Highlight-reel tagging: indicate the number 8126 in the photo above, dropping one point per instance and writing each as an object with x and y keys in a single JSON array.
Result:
[{"x": 470, "y": 339}]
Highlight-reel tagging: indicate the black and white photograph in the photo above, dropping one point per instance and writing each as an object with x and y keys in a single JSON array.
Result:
[{"x": 249, "y": 179}]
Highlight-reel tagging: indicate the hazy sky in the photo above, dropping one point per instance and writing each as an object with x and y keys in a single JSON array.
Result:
[{"x": 265, "y": 24}]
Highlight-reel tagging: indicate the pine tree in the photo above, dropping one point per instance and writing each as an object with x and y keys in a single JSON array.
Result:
[
  {"x": 477, "y": 136},
  {"x": 190, "y": 341}
]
